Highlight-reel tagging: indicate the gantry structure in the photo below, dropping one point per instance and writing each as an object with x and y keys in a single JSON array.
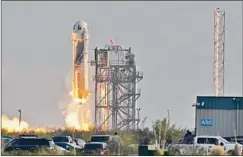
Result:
[
  {"x": 219, "y": 44},
  {"x": 116, "y": 92}
]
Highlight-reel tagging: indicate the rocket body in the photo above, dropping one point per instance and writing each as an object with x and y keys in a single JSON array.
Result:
[{"x": 80, "y": 40}]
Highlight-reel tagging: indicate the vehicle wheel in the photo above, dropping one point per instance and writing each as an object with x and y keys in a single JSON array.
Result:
[
  {"x": 230, "y": 153},
  {"x": 177, "y": 153}
]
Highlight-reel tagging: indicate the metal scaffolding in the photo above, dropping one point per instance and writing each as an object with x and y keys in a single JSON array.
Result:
[
  {"x": 116, "y": 93},
  {"x": 219, "y": 42}
]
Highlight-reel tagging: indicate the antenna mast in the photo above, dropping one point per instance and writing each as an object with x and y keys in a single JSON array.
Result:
[{"x": 219, "y": 42}]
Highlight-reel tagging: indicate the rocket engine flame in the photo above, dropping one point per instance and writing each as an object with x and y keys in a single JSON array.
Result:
[
  {"x": 12, "y": 125},
  {"x": 78, "y": 116}
]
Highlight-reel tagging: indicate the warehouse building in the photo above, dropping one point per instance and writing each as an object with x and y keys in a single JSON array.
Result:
[{"x": 219, "y": 116}]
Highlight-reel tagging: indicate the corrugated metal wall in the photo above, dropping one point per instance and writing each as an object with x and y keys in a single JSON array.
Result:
[
  {"x": 223, "y": 116},
  {"x": 224, "y": 122}
]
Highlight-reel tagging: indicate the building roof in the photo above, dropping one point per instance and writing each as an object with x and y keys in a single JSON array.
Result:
[{"x": 219, "y": 103}]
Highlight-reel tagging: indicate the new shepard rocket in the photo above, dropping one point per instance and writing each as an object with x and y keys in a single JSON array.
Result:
[{"x": 80, "y": 40}]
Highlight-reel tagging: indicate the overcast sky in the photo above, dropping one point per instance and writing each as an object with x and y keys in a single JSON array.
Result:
[{"x": 172, "y": 41}]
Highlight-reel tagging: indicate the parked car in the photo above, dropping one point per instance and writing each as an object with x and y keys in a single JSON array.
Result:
[
  {"x": 29, "y": 144},
  {"x": 79, "y": 142},
  {"x": 206, "y": 143},
  {"x": 6, "y": 139},
  {"x": 96, "y": 148},
  {"x": 113, "y": 141}
]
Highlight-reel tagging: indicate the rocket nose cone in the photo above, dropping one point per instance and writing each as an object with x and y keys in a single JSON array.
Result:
[{"x": 80, "y": 26}]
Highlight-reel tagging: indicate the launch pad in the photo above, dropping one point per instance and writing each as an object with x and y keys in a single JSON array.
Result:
[{"x": 116, "y": 77}]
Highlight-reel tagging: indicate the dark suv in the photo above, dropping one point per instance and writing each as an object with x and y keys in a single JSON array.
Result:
[
  {"x": 29, "y": 144},
  {"x": 96, "y": 148}
]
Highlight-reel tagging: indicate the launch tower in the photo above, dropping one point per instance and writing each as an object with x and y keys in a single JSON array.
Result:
[
  {"x": 116, "y": 77},
  {"x": 218, "y": 63}
]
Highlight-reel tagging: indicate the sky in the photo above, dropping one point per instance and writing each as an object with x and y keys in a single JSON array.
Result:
[{"x": 172, "y": 43}]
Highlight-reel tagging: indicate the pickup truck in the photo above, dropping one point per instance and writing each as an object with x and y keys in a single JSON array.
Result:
[{"x": 204, "y": 144}]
